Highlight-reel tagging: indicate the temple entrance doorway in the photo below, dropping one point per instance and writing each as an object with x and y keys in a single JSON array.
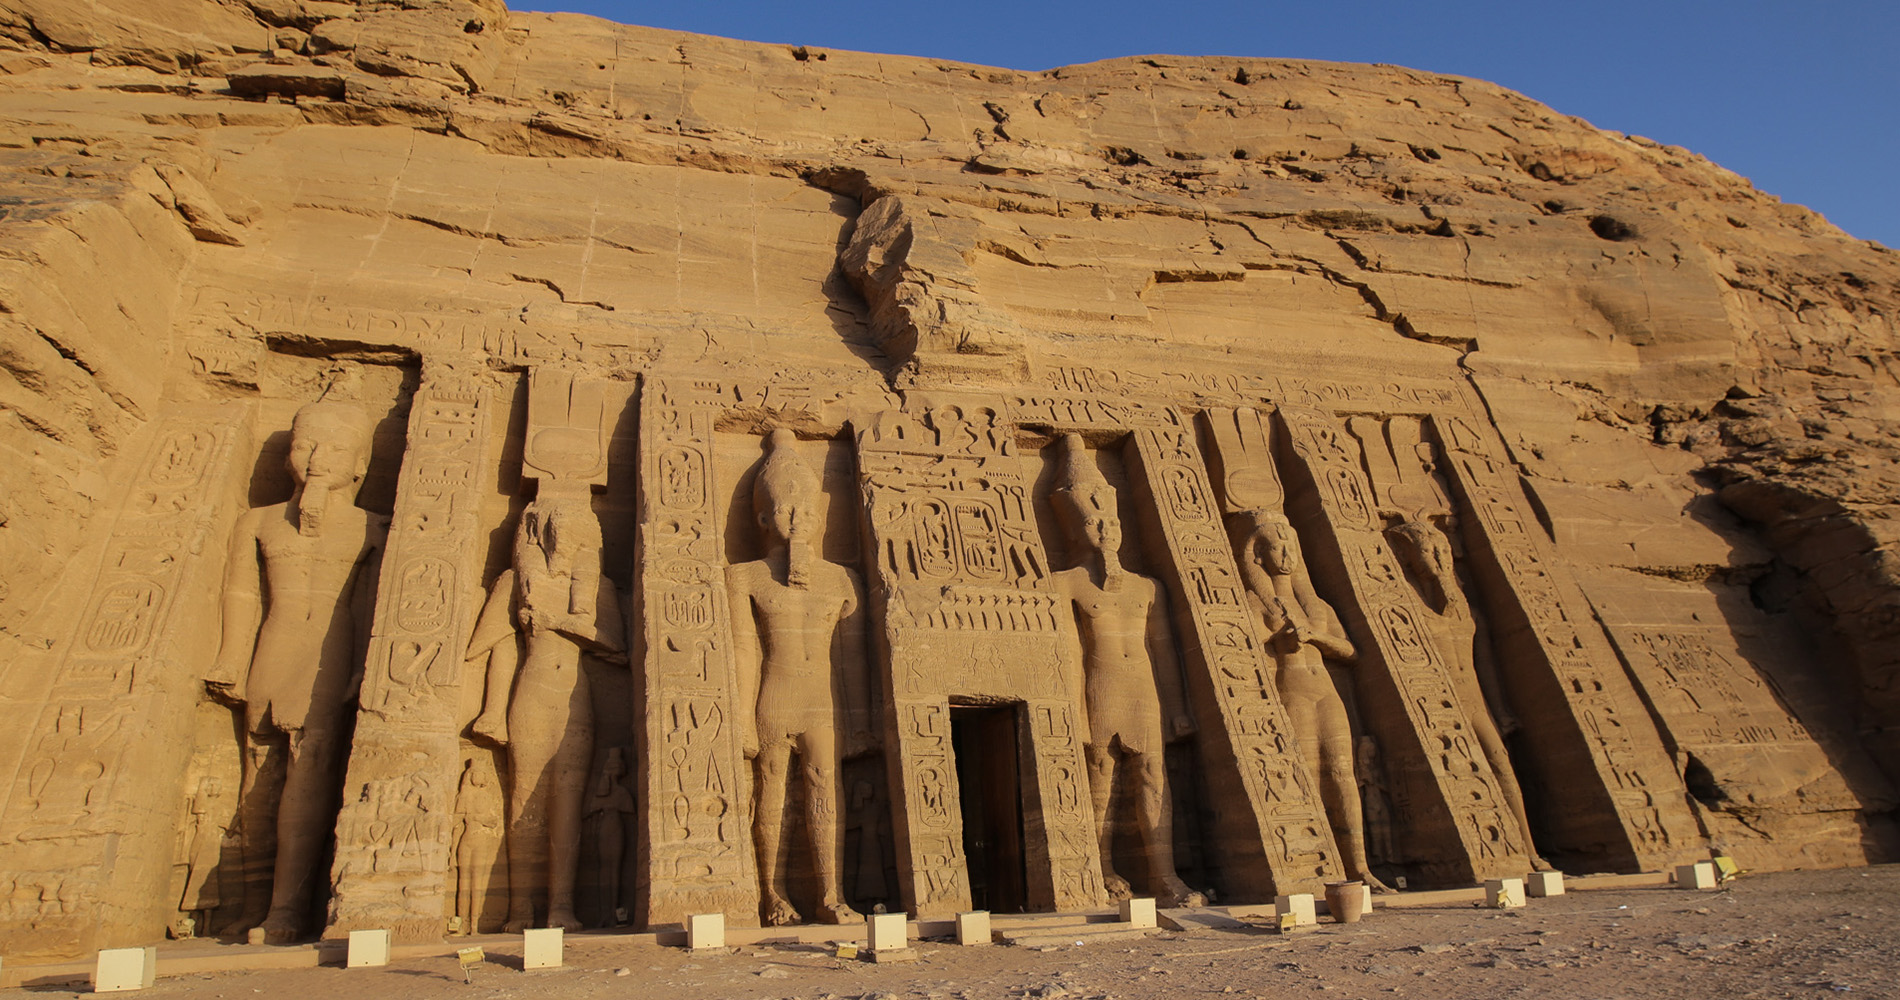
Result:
[{"x": 984, "y": 739}]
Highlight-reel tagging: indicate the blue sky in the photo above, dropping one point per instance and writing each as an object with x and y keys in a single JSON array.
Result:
[{"x": 1803, "y": 98}]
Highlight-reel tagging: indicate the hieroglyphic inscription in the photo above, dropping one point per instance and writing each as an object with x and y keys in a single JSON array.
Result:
[
  {"x": 393, "y": 846},
  {"x": 695, "y": 845},
  {"x": 1724, "y": 711},
  {"x": 965, "y": 610},
  {"x": 1286, "y": 836},
  {"x": 1650, "y": 810},
  {"x": 1121, "y": 388},
  {"x": 86, "y": 836},
  {"x": 1407, "y": 691}
]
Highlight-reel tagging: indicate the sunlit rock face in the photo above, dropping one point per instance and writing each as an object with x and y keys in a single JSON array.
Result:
[{"x": 473, "y": 470}]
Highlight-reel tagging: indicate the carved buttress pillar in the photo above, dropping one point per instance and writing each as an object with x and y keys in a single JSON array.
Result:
[
  {"x": 394, "y": 832},
  {"x": 695, "y": 839},
  {"x": 1461, "y": 828},
  {"x": 102, "y": 721},
  {"x": 1616, "y": 793},
  {"x": 1272, "y": 828}
]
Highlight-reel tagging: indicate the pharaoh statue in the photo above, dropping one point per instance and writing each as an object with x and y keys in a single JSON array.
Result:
[
  {"x": 1427, "y": 556},
  {"x": 608, "y": 807},
  {"x": 478, "y": 839},
  {"x": 562, "y": 606},
  {"x": 1127, "y": 663},
  {"x": 297, "y": 599},
  {"x": 798, "y": 625},
  {"x": 1303, "y": 633}
]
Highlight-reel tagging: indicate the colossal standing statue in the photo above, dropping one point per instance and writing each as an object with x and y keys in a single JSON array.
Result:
[
  {"x": 1126, "y": 664},
  {"x": 297, "y": 600},
  {"x": 1428, "y": 559},
  {"x": 557, "y": 597},
  {"x": 799, "y": 628},
  {"x": 1304, "y": 632}
]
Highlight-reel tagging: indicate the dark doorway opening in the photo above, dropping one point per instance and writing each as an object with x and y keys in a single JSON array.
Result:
[{"x": 984, "y": 739}]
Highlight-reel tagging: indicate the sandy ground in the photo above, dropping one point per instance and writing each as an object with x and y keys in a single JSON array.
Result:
[{"x": 1794, "y": 934}]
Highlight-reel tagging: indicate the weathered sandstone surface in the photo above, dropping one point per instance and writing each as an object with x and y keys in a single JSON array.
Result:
[{"x": 782, "y": 481}]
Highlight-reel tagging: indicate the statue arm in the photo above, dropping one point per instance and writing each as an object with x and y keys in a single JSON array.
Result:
[
  {"x": 1167, "y": 669},
  {"x": 1328, "y": 635},
  {"x": 745, "y": 657},
  {"x": 243, "y": 612},
  {"x": 608, "y": 629},
  {"x": 496, "y": 622}
]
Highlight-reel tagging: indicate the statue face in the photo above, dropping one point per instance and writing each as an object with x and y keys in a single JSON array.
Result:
[
  {"x": 786, "y": 519},
  {"x": 1102, "y": 532},
  {"x": 1279, "y": 546},
  {"x": 325, "y": 448}
]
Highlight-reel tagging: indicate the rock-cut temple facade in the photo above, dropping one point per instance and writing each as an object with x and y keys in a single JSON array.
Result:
[{"x": 468, "y": 470}]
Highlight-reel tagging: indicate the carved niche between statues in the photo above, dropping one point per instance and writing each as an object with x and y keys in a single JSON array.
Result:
[{"x": 577, "y": 651}]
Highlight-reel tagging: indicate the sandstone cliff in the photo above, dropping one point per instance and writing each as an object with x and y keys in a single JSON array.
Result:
[{"x": 1698, "y": 385}]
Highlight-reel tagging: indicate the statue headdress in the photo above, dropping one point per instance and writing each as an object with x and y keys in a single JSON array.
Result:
[
  {"x": 1082, "y": 491},
  {"x": 785, "y": 480}
]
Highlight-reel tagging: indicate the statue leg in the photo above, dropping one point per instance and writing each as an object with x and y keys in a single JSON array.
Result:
[
  {"x": 818, "y": 755},
  {"x": 304, "y": 822},
  {"x": 1103, "y": 765},
  {"x": 260, "y": 790},
  {"x": 530, "y": 759},
  {"x": 1339, "y": 788},
  {"x": 1156, "y": 815},
  {"x": 768, "y": 831},
  {"x": 571, "y": 762},
  {"x": 466, "y": 906}
]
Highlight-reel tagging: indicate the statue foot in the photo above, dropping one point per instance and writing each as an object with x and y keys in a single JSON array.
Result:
[
  {"x": 779, "y": 912},
  {"x": 516, "y": 925},
  {"x": 1118, "y": 888},
  {"x": 1175, "y": 893},
  {"x": 564, "y": 918},
  {"x": 1372, "y": 882},
  {"x": 837, "y": 913},
  {"x": 1538, "y": 864},
  {"x": 279, "y": 929}
]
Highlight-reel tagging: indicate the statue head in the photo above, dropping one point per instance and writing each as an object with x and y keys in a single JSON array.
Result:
[
  {"x": 1085, "y": 502},
  {"x": 562, "y": 526},
  {"x": 329, "y": 453},
  {"x": 1267, "y": 536},
  {"x": 1422, "y": 547},
  {"x": 785, "y": 500}
]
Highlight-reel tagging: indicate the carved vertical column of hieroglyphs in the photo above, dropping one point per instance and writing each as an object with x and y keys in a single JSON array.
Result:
[
  {"x": 695, "y": 844},
  {"x": 1463, "y": 830},
  {"x": 91, "y": 812},
  {"x": 1615, "y": 795},
  {"x": 393, "y": 834},
  {"x": 1278, "y": 842},
  {"x": 961, "y": 592}
]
